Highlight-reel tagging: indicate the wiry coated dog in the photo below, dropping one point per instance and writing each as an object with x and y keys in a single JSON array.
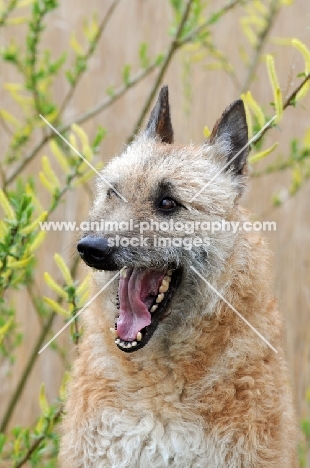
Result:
[{"x": 182, "y": 381}]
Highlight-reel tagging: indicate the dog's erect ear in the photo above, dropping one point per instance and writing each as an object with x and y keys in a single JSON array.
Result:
[
  {"x": 159, "y": 124},
  {"x": 232, "y": 128}
]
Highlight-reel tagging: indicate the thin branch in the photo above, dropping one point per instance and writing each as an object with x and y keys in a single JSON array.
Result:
[
  {"x": 38, "y": 441},
  {"x": 31, "y": 361},
  {"x": 6, "y": 12},
  {"x": 89, "y": 53},
  {"x": 24, "y": 377},
  {"x": 177, "y": 43},
  {"x": 289, "y": 102},
  {"x": 117, "y": 94},
  {"x": 26, "y": 161},
  {"x": 218, "y": 14},
  {"x": 6, "y": 128},
  {"x": 173, "y": 47},
  {"x": 263, "y": 35},
  {"x": 292, "y": 96},
  {"x": 35, "y": 29},
  {"x": 108, "y": 101},
  {"x": 82, "y": 118}
]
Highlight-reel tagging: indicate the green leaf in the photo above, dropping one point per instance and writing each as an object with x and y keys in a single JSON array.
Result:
[
  {"x": 160, "y": 59},
  {"x": 126, "y": 74},
  {"x": 110, "y": 91},
  {"x": 2, "y": 441},
  {"x": 305, "y": 427},
  {"x": 143, "y": 54},
  {"x": 100, "y": 135},
  {"x": 45, "y": 408}
]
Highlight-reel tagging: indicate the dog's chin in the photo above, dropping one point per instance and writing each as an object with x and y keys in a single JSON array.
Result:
[{"x": 143, "y": 301}]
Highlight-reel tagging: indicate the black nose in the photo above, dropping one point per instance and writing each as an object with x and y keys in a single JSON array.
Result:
[{"x": 96, "y": 252}]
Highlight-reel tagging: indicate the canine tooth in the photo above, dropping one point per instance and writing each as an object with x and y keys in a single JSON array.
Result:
[
  {"x": 160, "y": 297},
  {"x": 164, "y": 286},
  {"x": 169, "y": 272},
  {"x": 139, "y": 336},
  {"x": 114, "y": 332},
  {"x": 134, "y": 343},
  {"x": 153, "y": 308},
  {"x": 124, "y": 273},
  {"x": 167, "y": 278}
]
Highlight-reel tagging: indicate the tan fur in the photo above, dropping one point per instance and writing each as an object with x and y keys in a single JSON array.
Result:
[{"x": 205, "y": 391}]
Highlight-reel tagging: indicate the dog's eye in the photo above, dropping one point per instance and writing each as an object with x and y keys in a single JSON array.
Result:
[{"x": 167, "y": 204}]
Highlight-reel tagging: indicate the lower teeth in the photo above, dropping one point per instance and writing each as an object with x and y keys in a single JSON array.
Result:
[{"x": 126, "y": 344}]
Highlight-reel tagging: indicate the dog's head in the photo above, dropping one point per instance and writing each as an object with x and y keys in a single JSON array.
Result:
[{"x": 152, "y": 215}]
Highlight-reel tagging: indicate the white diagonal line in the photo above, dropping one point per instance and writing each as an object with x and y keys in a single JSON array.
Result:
[
  {"x": 84, "y": 159},
  {"x": 235, "y": 310},
  {"x": 237, "y": 154},
  {"x": 80, "y": 311}
]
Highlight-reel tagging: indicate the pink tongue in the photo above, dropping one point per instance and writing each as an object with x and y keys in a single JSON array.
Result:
[{"x": 136, "y": 294}]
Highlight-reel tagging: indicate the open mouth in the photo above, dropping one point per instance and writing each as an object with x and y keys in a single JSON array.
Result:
[{"x": 144, "y": 297}]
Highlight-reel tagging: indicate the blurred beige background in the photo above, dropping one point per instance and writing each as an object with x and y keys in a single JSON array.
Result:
[{"x": 133, "y": 22}]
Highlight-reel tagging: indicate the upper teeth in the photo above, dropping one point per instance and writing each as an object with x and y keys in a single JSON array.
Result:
[
  {"x": 164, "y": 286},
  {"x": 162, "y": 289},
  {"x": 159, "y": 298}
]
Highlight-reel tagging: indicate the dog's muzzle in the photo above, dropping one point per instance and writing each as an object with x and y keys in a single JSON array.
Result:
[
  {"x": 144, "y": 293},
  {"x": 96, "y": 253}
]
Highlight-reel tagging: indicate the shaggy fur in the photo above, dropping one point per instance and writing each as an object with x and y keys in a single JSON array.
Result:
[{"x": 205, "y": 391}]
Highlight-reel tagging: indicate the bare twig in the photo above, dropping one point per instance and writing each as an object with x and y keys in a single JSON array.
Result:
[
  {"x": 110, "y": 100},
  {"x": 292, "y": 96},
  {"x": 263, "y": 35},
  {"x": 89, "y": 53},
  {"x": 173, "y": 47},
  {"x": 196, "y": 31}
]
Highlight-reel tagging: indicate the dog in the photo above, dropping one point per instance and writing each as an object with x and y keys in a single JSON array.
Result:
[{"x": 168, "y": 374}]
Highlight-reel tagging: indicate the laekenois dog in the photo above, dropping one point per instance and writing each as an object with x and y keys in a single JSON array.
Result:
[{"x": 168, "y": 373}]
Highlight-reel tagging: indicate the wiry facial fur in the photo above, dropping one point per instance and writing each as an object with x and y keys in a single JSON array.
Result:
[{"x": 205, "y": 391}]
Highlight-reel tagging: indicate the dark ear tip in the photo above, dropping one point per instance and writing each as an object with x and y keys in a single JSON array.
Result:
[
  {"x": 164, "y": 93},
  {"x": 232, "y": 126},
  {"x": 237, "y": 104},
  {"x": 235, "y": 111},
  {"x": 159, "y": 124}
]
